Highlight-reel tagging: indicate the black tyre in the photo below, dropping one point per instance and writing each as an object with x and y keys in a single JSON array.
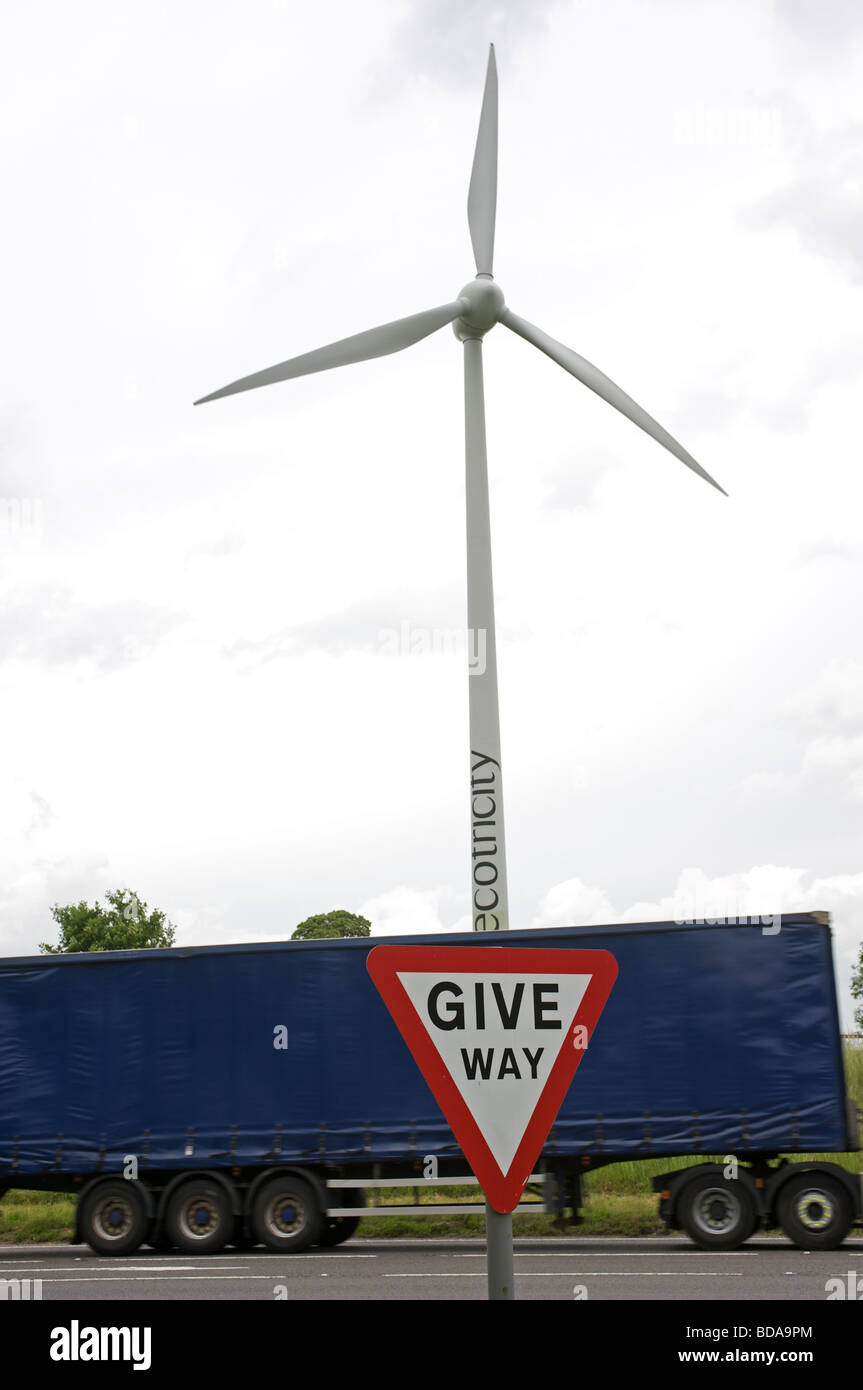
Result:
[
  {"x": 815, "y": 1211},
  {"x": 717, "y": 1213},
  {"x": 114, "y": 1218},
  {"x": 287, "y": 1215},
  {"x": 198, "y": 1218},
  {"x": 241, "y": 1240},
  {"x": 338, "y": 1229}
]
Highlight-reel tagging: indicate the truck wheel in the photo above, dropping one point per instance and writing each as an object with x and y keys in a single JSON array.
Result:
[
  {"x": 114, "y": 1218},
  {"x": 338, "y": 1229},
  {"x": 240, "y": 1240},
  {"x": 815, "y": 1211},
  {"x": 158, "y": 1240},
  {"x": 198, "y": 1218},
  {"x": 717, "y": 1213},
  {"x": 287, "y": 1215}
]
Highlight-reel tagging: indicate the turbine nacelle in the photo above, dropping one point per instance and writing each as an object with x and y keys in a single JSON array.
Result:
[{"x": 484, "y": 306}]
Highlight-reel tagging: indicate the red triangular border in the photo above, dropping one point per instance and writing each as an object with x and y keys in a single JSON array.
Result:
[{"x": 503, "y": 1190}]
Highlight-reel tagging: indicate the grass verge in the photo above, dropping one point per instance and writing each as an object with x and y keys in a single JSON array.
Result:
[{"x": 31, "y": 1218}]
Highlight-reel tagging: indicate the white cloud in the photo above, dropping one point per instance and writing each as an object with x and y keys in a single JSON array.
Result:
[
  {"x": 831, "y": 28},
  {"x": 829, "y": 770},
  {"x": 447, "y": 40},
  {"x": 406, "y": 911},
  {"x": 823, "y": 202},
  {"x": 832, "y": 702},
  {"x": 762, "y": 892},
  {"x": 573, "y": 903},
  {"x": 46, "y": 623}
]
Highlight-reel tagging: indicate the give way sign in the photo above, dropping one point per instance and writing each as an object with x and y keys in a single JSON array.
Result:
[{"x": 498, "y": 1033}]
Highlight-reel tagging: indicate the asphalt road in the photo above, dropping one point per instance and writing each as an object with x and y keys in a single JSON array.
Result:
[{"x": 598, "y": 1269}]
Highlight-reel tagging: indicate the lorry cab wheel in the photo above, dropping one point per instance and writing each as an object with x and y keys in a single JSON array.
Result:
[
  {"x": 815, "y": 1211},
  {"x": 287, "y": 1214},
  {"x": 716, "y": 1212},
  {"x": 114, "y": 1218}
]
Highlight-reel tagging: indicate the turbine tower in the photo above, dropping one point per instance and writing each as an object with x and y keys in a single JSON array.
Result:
[{"x": 477, "y": 308}]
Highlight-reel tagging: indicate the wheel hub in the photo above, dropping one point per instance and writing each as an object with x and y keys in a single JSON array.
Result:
[
  {"x": 286, "y": 1216},
  {"x": 716, "y": 1211},
  {"x": 814, "y": 1210},
  {"x": 486, "y": 304},
  {"x": 114, "y": 1219},
  {"x": 199, "y": 1218}
]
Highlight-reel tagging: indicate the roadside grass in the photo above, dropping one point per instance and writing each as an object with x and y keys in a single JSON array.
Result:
[
  {"x": 603, "y": 1214},
  {"x": 32, "y": 1218},
  {"x": 619, "y": 1199},
  {"x": 854, "y": 1070}
]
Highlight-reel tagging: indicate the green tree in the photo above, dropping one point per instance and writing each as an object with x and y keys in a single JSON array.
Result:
[
  {"x": 335, "y": 923},
  {"x": 857, "y": 989},
  {"x": 124, "y": 924}
]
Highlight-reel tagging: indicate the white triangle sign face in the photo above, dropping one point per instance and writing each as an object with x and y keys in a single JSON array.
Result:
[{"x": 498, "y": 1034}]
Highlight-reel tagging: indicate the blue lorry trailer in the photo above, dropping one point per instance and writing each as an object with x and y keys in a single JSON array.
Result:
[{"x": 201, "y": 1096}]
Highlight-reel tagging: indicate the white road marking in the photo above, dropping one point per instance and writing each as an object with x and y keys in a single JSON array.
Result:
[
  {"x": 590, "y": 1273},
  {"x": 581, "y": 1255},
  {"x": 154, "y": 1279},
  {"x": 31, "y": 1266},
  {"x": 127, "y": 1269}
]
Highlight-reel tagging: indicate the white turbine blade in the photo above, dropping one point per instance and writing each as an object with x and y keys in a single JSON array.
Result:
[
  {"x": 597, "y": 381},
  {"x": 482, "y": 195},
  {"x": 375, "y": 342}
]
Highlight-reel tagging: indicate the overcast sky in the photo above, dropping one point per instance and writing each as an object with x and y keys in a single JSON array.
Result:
[{"x": 210, "y": 678}]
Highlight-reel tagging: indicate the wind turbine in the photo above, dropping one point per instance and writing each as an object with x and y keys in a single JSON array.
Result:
[{"x": 477, "y": 309}]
